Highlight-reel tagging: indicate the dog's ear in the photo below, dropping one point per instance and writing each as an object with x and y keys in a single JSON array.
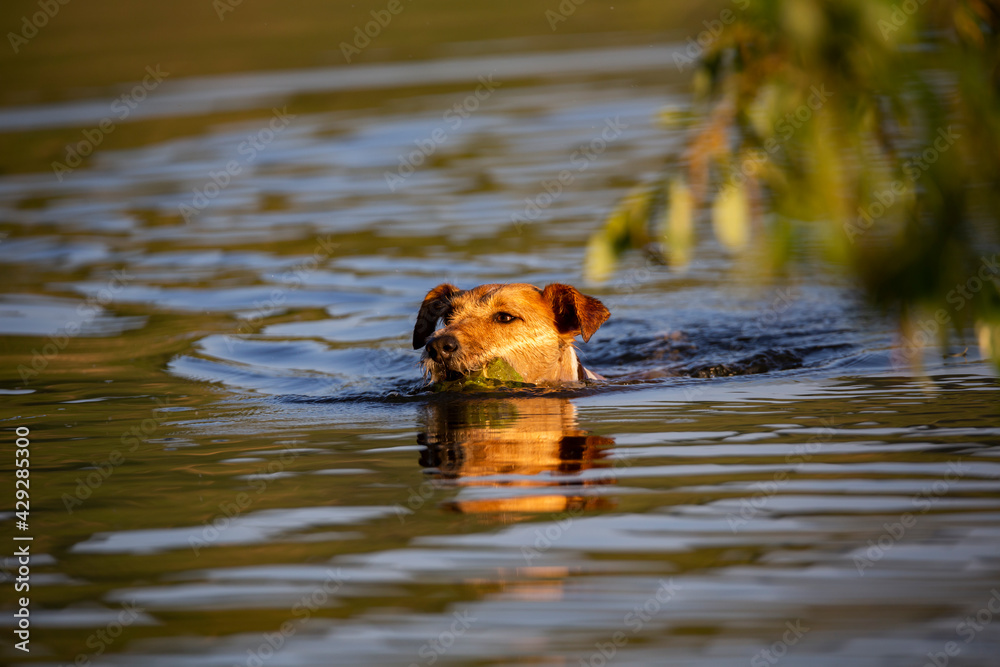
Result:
[
  {"x": 575, "y": 312},
  {"x": 433, "y": 308}
]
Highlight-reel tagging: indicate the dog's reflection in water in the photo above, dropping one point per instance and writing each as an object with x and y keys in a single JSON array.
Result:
[{"x": 514, "y": 455}]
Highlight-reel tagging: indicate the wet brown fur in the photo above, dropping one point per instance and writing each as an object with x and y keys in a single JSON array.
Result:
[{"x": 538, "y": 343}]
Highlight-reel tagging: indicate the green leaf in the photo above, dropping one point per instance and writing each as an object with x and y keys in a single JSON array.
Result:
[
  {"x": 497, "y": 374},
  {"x": 600, "y": 260},
  {"x": 677, "y": 227},
  {"x": 499, "y": 369},
  {"x": 674, "y": 118},
  {"x": 989, "y": 340},
  {"x": 731, "y": 217},
  {"x": 624, "y": 229}
]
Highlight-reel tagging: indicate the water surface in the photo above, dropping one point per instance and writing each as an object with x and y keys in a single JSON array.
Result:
[{"x": 233, "y": 462}]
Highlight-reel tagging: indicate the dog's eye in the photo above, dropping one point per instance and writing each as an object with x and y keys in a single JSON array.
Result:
[{"x": 504, "y": 318}]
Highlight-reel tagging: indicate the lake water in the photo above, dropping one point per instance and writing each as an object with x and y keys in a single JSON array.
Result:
[{"x": 207, "y": 335}]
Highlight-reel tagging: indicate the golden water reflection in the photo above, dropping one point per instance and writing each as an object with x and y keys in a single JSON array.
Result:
[{"x": 515, "y": 455}]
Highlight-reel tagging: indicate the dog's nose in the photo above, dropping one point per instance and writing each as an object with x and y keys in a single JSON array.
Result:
[{"x": 442, "y": 347}]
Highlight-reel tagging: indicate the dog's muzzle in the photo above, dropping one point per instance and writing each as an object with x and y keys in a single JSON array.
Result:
[{"x": 442, "y": 348}]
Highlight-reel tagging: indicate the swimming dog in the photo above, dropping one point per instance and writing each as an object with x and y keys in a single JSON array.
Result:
[{"x": 531, "y": 329}]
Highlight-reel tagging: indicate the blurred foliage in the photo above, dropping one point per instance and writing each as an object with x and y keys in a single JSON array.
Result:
[{"x": 864, "y": 132}]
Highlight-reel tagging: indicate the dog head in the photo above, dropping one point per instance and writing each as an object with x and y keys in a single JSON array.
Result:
[{"x": 531, "y": 329}]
